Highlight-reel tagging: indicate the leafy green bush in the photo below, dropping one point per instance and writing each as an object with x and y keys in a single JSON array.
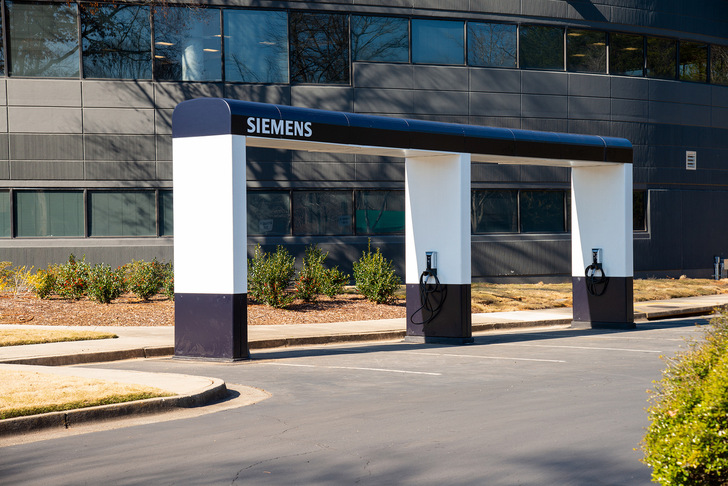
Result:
[
  {"x": 72, "y": 278},
  {"x": 375, "y": 277},
  {"x": 687, "y": 441},
  {"x": 168, "y": 281},
  {"x": 44, "y": 282},
  {"x": 315, "y": 279},
  {"x": 144, "y": 279},
  {"x": 269, "y": 275},
  {"x": 334, "y": 282},
  {"x": 104, "y": 283}
]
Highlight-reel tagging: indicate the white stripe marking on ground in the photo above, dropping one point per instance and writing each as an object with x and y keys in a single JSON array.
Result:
[
  {"x": 354, "y": 368},
  {"x": 487, "y": 357},
  {"x": 576, "y": 347}
]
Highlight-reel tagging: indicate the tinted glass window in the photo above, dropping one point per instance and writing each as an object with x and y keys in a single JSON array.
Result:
[
  {"x": 542, "y": 211},
  {"x": 542, "y": 47},
  {"x": 719, "y": 64},
  {"x": 379, "y": 212},
  {"x": 256, "y": 46},
  {"x": 438, "y": 41},
  {"x": 639, "y": 211},
  {"x": 693, "y": 63},
  {"x": 494, "y": 212},
  {"x": 384, "y": 39},
  {"x": 43, "y": 39},
  {"x": 166, "y": 213},
  {"x": 661, "y": 58},
  {"x": 322, "y": 213},
  {"x": 626, "y": 54},
  {"x": 269, "y": 213},
  {"x": 492, "y": 44},
  {"x": 586, "y": 51},
  {"x": 49, "y": 213},
  {"x": 187, "y": 44},
  {"x": 319, "y": 47},
  {"x": 123, "y": 213},
  {"x": 4, "y": 214},
  {"x": 117, "y": 41}
]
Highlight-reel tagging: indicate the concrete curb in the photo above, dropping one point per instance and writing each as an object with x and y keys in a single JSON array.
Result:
[
  {"x": 96, "y": 357},
  {"x": 65, "y": 419}
]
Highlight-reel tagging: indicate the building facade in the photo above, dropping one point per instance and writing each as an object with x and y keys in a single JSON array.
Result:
[{"x": 88, "y": 90}]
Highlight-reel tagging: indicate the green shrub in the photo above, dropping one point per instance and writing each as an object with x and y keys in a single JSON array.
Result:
[
  {"x": 144, "y": 279},
  {"x": 104, "y": 283},
  {"x": 375, "y": 277},
  {"x": 269, "y": 275},
  {"x": 72, "y": 278},
  {"x": 315, "y": 279},
  {"x": 168, "y": 281},
  {"x": 334, "y": 282},
  {"x": 44, "y": 282},
  {"x": 687, "y": 440}
]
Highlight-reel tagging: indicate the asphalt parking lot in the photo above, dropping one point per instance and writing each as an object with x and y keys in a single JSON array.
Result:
[{"x": 544, "y": 407}]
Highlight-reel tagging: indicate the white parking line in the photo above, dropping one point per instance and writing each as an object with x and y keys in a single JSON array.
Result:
[
  {"x": 353, "y": 368},
  {"x": 577, "y": 347},
  {"x": 487, "y": 357}
]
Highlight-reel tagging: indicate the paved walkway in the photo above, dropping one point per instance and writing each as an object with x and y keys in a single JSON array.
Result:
[{"x": 146, "y": 342}]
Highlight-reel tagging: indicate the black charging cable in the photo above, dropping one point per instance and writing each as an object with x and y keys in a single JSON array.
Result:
[
  {"x": 431, "y": 296},
  {"x": 596, "y": 279}
]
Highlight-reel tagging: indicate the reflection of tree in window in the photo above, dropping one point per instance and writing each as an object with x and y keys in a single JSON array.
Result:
[
  {"x": 494, "y": 211},
  {"x": 43, "y": 40},
  {"x": 586, "y": 51},
  {"x": 542, "y": 47},
  {"x": 626, "y": 54},
  {"x": 49, "y": 213},
  {"x": 122, "y": 213},
  {"x": 319, "y": 47},
  {"x": 187, "y": 44},
  {"x": 542, "y": 211},
  {"x": 116, "y": 41},
  {"x": 693, "y": 62},
  {"x": 322, "y": 213},
  {"x": 719, "y": 64},
  {"x": 256, "y": 46},
  {"x": 379, "y": 212},
  {"x": 661, "y": 58},
  {"x": 384, "y": 39},
  {"x": 438, "y": 41},
  {"x": 492, "y": 44},
  {"x": 269, "y": 213}
]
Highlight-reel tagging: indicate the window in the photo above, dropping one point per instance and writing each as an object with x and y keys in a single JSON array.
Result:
[
  {"x": 626, "y": 54},
  {"x": 719, "y": 65},
  {"x": 639, "y": 210},
  {"x": 122, "y": 213},
  {"x": 494, "y": 211},
  {"x": 492, "y": 45},
  {"x": 693, "y": 65},
  {"x": 256, "y": 46},
  {"x": 49, "y": 213},
  {"x": 661, "y": 58},
  {"x": 322, "y": 213},
  {"x": 43, "y": 39},
  {"x": 379, "y": 212},
  {"x": 383, "y": 39},
  {"x": 269, "y": 213},
  {"x": 586, "y": 51},
  {"x": 116, "y": 41},
  {"x": 187, "y": 44},
  {"x": 166, "y": 214},
  {"x": 542, "y": 211},
  {"x": 5, "y": 217},
  {"x": 438, "y": 41},
  {"x": 542, "y": 47},
  {"x": 319, "y": 47}
]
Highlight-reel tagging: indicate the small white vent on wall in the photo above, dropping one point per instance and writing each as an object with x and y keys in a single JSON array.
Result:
[{"x": 691, "y": 160}]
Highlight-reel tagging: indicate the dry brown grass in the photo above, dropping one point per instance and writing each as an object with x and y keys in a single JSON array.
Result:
[
  {"x": 28, "y": 393},
  {"x": 18, "y": 337}
]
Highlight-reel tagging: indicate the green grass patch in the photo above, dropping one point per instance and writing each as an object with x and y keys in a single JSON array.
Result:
[{"x": 19, "y": 337}]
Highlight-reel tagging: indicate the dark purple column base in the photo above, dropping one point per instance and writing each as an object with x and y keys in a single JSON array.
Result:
[
  {"x": 452, "y": 325},
  {"x": 612, "y": 310},
  {"x": 211, "y": 326}
]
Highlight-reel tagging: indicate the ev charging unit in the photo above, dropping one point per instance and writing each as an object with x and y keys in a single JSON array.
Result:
[{"x": 210, "y": 137}]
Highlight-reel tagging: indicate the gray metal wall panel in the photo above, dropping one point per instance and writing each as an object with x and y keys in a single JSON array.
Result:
[
  {"x": 719, "y": 96},
  {"x": 719, "y": 117},
  {"x": 3, "y": 119},
  {"x": 163, "y": 122},
  {"x": 630, "y": 88},
  {"x": 262, "y": 171},
  {"x": 4, "y": 170},
  {"x": 587, "y": 108},
  {"x": 395, "y": 101},
  {"x": 588, "y": 10},
  {"x": 495, "y": 173},
  {"x": 322, "y": 171},
  {"x": 119, "y": 147},
  {"x": 588, "y": 127},
  {"x": 57, "y": 251},
  {"x": 164, "y": 171},
  {"x": 534, "y": 173},
  {"x": 439, "y": 4},
  {"x": 164, "y": 147},
  {"x": 387, "y": 172},
  {"x": 545, "y": 124},
  {"x": 4, "y": 146},
  {"x": 495, "y": 104},
  {"x": 118, "y": 120},
  {"x": 495, "y": 121},
  {"x": 629, "y": 110},
  {"x": 442, "y": 103},
  {"x": 46, "y": 170},
  {"x": 46, "y": 147},
  {"x": 276, "y": 94},
  {"x": 513, "y": 257},
  {"x": 43, "y": 92},
  {"x": 44, "y": 120},
  {"x": 597, "y": 85},
  {"x": 446, "y": 78},
  {"x": 544, "y": 83},
  {"x": 169, "y": 95},
  {"x": 500, "y": 6},
  {"x": 118, "y": 94},
  {"x": 495, "y": 80},
  {"x": 680, "y": 92},
  {"x": 544, "y": 8},
  {"x": 380, "y": 75},
  {"x": 544, "y": 106},
  {"x": 3, "y": 92},
  {"x": 334, "y": 98},
  {"x": 124, "y": 171}
]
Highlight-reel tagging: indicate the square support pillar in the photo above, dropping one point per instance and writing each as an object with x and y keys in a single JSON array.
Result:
[
  {"x": 210, "y": 248},
  {"x": 601, "y": 218},
  {"x": 437, "y": 218}
]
